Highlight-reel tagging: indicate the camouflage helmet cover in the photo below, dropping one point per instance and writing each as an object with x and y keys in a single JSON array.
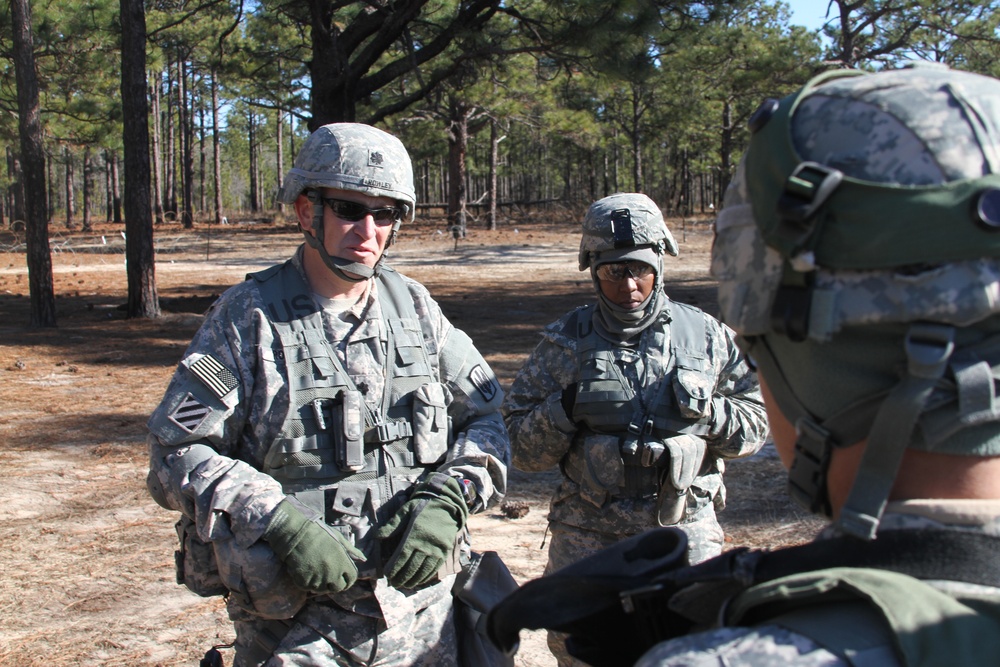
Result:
[
  {"x": 352, "y": 156},
  {"x": 621, "y": 221},
  {"x": 898, "y": 167}
]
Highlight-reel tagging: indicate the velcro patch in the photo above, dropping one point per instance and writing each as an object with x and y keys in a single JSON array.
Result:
[
  {"x": 189, "y": 414},
  {"x": 484, "y": 383},
  {"x": 216, "y": 377}
]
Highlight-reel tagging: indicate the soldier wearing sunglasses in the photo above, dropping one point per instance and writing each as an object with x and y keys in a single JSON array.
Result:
[
  {"x": 328, "y": 432},
  {"x": 639, "y": 399}
]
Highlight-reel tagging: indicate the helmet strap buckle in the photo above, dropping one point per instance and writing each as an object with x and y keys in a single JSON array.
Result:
[
  {"x": 807, "y": 475},
  {"x": 805, "y": 191},
  {"x": 792, "y": 305}
]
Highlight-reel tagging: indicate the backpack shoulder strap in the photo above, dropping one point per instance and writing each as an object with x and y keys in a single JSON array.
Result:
[{"x": 865, "y": 614}]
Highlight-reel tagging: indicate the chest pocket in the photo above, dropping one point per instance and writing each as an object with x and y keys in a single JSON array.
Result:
[
  {"x": 693, "y": 384},
  {"x": 431, "y": 424},
  {"x": 605, "y": 400},
  {"x": 309, "y": 358},
  {"x": 408, "y": 342}
]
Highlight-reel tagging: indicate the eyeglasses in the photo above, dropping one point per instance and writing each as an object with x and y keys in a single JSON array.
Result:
[
  {"x": 616, "y": 271},
  {"x": 352, "y": 211}
]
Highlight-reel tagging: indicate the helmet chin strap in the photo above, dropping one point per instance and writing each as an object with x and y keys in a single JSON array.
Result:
[
  {"x": 354, "y": 272},
  {"x": 886, "y": 421}
]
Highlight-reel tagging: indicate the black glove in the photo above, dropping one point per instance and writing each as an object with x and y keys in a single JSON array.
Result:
[
  {"x": 317, "y": 559},
  {"x": 569, "y": 400},
  {"x": 425, "y": 528}
]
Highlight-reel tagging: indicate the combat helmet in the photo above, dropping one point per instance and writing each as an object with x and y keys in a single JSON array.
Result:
[
  {"x": 621, "y": 222},
  {"x": 860, "y": 241},
  {"x": 350, "y": 156},
  {"x": 626, "y": 226}
]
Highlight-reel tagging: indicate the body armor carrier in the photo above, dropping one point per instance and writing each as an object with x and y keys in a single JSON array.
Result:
[
  {"x": 678, "y": 402},
  {"x": 334, "y": 452}
]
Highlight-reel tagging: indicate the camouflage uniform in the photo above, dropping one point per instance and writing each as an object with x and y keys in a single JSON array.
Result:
[
  {"x": 870, "y": 310},
  {"x": 594, "y": 505},
  {"x": 227, "y": 447},
  {"x": 693, "y": 394}
]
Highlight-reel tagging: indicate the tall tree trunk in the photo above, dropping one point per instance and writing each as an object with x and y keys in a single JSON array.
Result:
[
  {"x": 5, "y": 203},
  {"x": 109, "y": 201},
  {"x": 216, "y": 158},
  {"x": 280, "y": 155},
  {"x": 640, "y": 186},
  {"x": 252, "y": 136},
  {"x": 88, "y": 190},
  {"x": 17, "y": 189},
  {"x": 257, "y": 149},
  {"x": 491, "y": 191},
  {"x": 636, "y": 137},
  {"x": 42, "y": 294},
  {"x": 458, "y": 142},
  {"x": 50, "y": 187},
  {"x": 70, "y": 197},
  {"x": 332, "y": 95},
  {"x": 186, "y": 129},
  {"x": 139, "y": 253},
  {"x": 202, "y": 158},
  {"x": 116, "y": 191},
  {"x": 725, "y": 151},
  {"x": 425, "y": 182},
  {"x": 615, "y": 162},
  {"x": 157, "y": 158},
  {"x": 170, "y": 154}
]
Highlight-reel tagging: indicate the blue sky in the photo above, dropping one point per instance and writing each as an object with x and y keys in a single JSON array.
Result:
[{"x": 808, "y": 13}]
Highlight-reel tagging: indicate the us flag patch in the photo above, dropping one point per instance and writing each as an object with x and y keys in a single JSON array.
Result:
[
  {"x": 483, "y": 382},
  {"x": 216, "y": 377},
  {"x": 189, "y": 414}
]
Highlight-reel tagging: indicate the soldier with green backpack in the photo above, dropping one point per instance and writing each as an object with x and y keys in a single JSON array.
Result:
[{"x": 858, "y": 258}]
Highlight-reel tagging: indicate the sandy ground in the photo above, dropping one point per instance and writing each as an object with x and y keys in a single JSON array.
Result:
[{"x": 88, "y": 575}]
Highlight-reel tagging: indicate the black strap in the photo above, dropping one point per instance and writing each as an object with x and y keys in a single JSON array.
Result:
[
  {"x": 926, "y": 554},
  {"x": 951, "y": 555},
  {"x": 587, "y": 591},
  {"x": 922, "y": 554},
  {"x": 627, "y": 594}
]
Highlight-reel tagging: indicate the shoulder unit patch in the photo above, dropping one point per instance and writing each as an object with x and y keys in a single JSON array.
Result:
[
  {"x": 484, "y": 382},
  {"x": 189, "y": 414}
]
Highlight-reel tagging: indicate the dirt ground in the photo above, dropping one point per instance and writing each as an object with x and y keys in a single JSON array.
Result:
[{"x": 88, "y": 575}]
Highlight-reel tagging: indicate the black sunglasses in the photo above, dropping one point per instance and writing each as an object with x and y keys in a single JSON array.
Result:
[{"x": 352, "y": 211}]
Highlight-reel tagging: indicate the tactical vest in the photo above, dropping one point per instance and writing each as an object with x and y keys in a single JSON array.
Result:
[
  {"x": 606, "y": 403},
  {"x": 333, "y": 452}
]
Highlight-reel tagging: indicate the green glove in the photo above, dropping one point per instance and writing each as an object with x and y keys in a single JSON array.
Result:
[
  {"x": 317, "y": 559},
  {"x": 424, "y": 529}
]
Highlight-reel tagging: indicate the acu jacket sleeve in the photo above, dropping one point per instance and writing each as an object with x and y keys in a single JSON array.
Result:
[
  {"x": 197, "y": 463},
  {"x": 739, "y": 421},
  {"x": 540, "y": 430}
]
